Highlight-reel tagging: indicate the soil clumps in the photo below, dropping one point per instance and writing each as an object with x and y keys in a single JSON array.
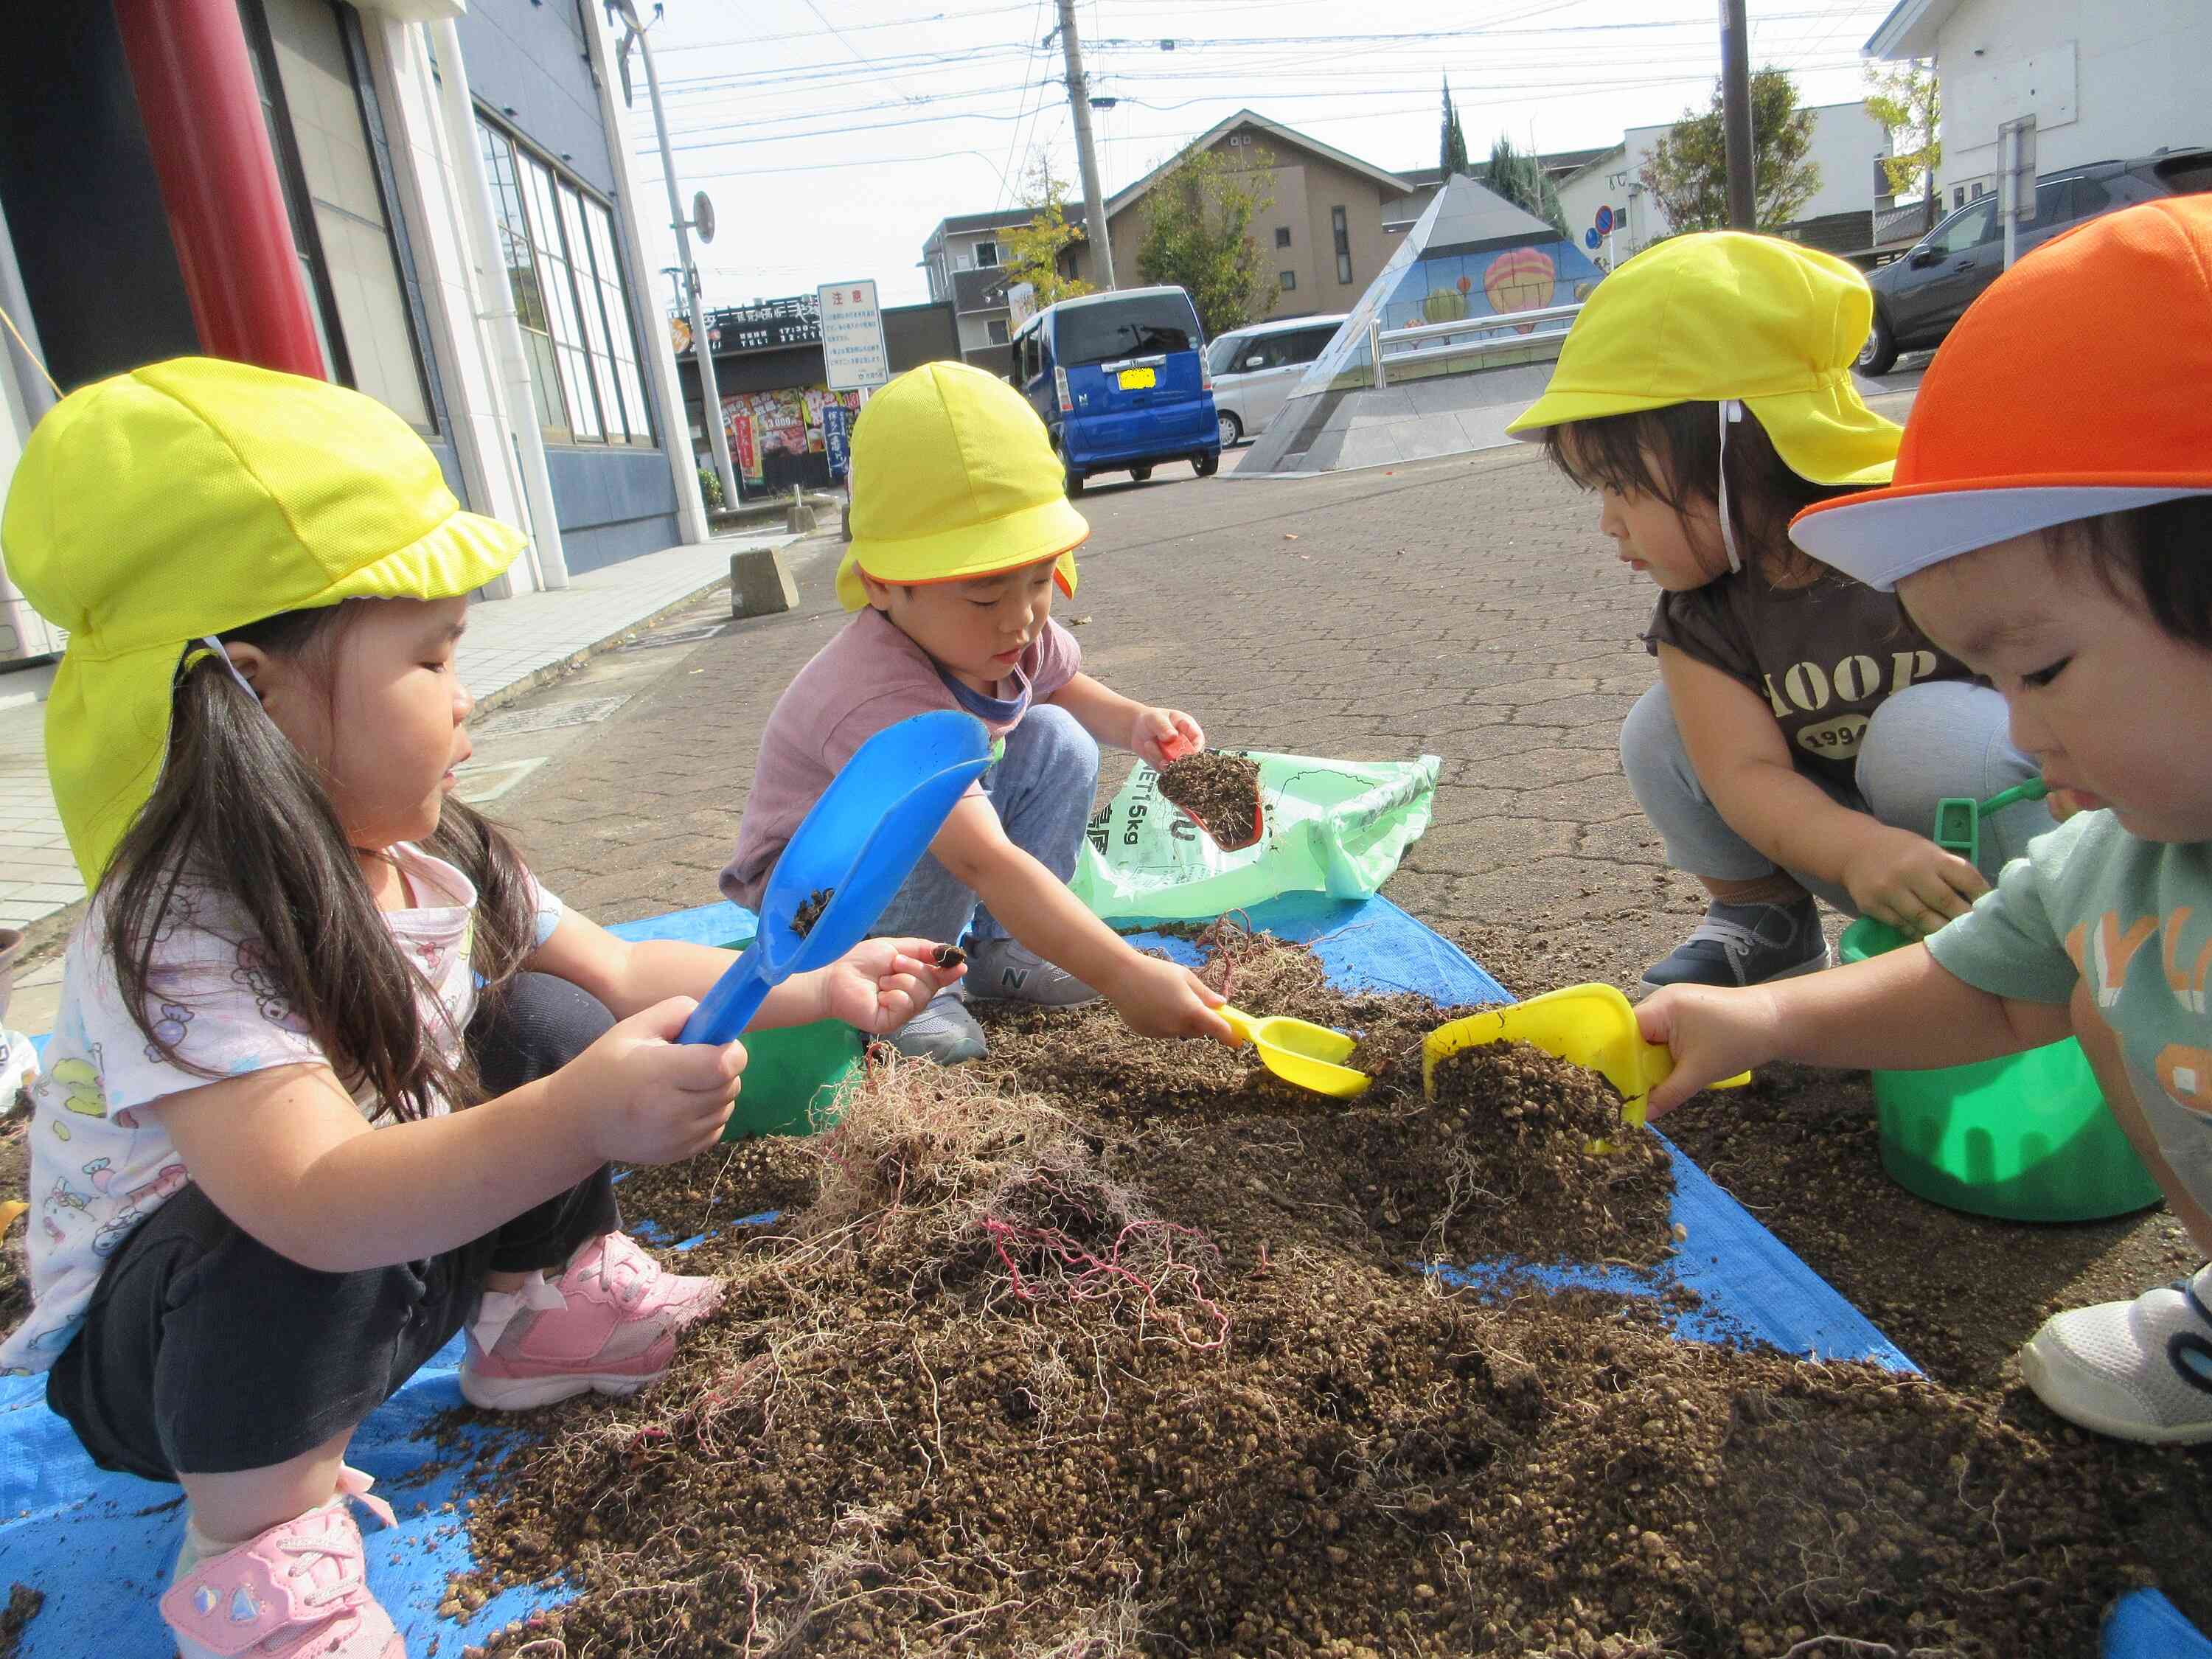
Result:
[
  {"x": 804, "y": 917},
  {"x": 1220, "y": 792},
  {"x": 1105, "y": 1347}
]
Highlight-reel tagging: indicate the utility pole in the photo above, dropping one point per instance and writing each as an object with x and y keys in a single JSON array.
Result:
[
  {"x": 702, "y": 350},
  {"x": 1078, "y": 98},
  {"x": 1735, "y": 115}
]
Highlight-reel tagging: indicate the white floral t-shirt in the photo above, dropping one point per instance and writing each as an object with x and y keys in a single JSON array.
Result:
[{"x": 101, "y": 1161}]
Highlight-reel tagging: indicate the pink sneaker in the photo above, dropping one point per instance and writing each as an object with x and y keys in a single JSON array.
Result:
[
  {"x": 295, "y": 1590},
  {"x": 609, "y": 1324}
]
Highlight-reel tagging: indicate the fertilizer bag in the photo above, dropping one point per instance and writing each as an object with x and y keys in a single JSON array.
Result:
[{"x": 1334, "y": 827}]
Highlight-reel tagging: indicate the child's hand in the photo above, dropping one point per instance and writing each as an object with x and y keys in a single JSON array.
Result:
[
  {"x": 1161, "y": 735},
  {"x": 1712, "y": 1033},
  {"x": 640, "y": 1096},
  {"x": 1165, "y": 999},
  {"x": 881, "y": 983},
  {"x": 1911, "y": 883}
]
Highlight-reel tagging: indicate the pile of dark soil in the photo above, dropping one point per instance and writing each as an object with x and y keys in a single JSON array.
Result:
[
  {"x": 24, "y": 1604},
  {"x": 1021, "y": 1372},
  {"x": 1220, "y": 792},
  {"x": 15, "y": 1180}
]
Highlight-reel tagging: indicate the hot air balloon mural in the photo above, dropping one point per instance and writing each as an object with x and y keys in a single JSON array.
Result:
[{"x": 1520, "y": 279}]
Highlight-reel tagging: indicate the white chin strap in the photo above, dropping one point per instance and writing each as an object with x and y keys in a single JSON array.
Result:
[
  {"x": 1731, "y": 412},
  {"x": 222, "y": 656}
]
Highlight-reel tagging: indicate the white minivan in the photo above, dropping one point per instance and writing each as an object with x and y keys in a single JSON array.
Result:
[{"x": 1257, "y": 369}]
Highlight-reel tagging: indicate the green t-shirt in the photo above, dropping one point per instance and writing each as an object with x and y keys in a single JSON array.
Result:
[{"x": 2133, "y": 920}]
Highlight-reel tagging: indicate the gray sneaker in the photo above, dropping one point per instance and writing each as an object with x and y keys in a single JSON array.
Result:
[
  {"x": 1745, "y": 944},
  {"x": 999, "y": 970},
  {"x": 944, "y": 1032}
]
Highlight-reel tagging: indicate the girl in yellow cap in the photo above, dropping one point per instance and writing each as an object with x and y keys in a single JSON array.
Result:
[
  {"x": 296, "y": 938},
  {"x": 1802, "y": 730},
  {"x": 2051, "y": 521},
  {"x": 961, "y": 533}
]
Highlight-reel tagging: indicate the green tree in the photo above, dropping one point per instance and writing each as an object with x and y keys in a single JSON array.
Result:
[
  {"x": 1520, "y": 178},
  {"x": 1689, "y": 169},
  {"x": 1031, "y": 254},
  {"x": 1908, "y": 102},
  {"x": 1451, "y": 147},
  {"x": 1198, "y": 236}
]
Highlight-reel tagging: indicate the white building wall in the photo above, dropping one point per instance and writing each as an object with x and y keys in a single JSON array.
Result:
[
  {"x": 2106, "y": 79},
  {"x": 429, "y": 197},
  {"x": 1846, "y": 141}
]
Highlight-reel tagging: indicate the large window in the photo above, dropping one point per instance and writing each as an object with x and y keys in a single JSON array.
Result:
[{"x": 559, "y": 246}]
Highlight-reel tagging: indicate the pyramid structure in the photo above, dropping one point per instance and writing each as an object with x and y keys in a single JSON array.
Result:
[{"x": 1473, "y": 257}]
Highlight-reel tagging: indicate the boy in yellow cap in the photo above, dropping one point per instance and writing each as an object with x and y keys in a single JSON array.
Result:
[
  {"x": 1802, "y": 730},
  {"x": 961, "y": 531}
]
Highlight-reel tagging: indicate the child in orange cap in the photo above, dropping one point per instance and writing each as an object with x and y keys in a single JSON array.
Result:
[
  {"x": 2064, "y": 551},
  {"x": 961, "y": 531}
]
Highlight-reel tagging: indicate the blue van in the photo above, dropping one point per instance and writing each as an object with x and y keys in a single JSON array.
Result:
[{"x": 1121, "y": 383}]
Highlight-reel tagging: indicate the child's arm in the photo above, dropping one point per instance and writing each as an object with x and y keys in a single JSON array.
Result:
[
  {"x": 285, "y": 1154},
  {"x": 876, "y": 987},
  {"x": 1155, "y": 998},
  {"x": 1156, "y": 735},
  {"x": 1744, "y": 762},
  {"x": 1901, "y": 1010}
]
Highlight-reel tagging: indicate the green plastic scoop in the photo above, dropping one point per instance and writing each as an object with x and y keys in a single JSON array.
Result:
[{"x": 1959, "y": 817}]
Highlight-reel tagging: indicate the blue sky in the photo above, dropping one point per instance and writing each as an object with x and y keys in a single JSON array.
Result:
[{"x": 834, "y": 134}]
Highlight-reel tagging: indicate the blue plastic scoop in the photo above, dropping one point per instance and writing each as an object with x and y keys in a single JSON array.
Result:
[{"x": 849, "y": 855}]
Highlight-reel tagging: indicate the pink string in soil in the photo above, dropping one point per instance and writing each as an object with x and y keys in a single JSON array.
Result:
[{"x": 1094, "y": 1278}]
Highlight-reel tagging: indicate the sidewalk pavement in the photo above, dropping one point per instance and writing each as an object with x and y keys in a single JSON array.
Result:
[{"x": 512, "y": 646}]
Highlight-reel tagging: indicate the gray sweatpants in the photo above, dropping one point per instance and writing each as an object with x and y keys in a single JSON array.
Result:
[{"x": 1947, "y": 738}]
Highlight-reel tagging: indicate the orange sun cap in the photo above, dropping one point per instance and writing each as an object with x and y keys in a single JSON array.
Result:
[{"x": 2078, "y": 385}]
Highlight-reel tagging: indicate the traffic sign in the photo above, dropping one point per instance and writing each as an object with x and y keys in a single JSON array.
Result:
[
  {"x": 1604, "y": 222},
  {"x": 1591, "y": 239}
]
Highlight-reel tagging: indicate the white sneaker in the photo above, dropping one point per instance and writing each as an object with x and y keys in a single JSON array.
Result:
[
  {"x": 1002, "y": 970},
  {"x": 2136, "y": 1371},
  {"x": 943, "y": 1031}
]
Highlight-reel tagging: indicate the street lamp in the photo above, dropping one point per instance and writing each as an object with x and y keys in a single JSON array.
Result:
[{"x": 625, "y": 12}]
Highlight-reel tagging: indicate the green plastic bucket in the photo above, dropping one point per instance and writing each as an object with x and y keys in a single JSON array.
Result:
[
  {"x": 2025, "y": 1138},
  {"x": 795, "y": 1077}
]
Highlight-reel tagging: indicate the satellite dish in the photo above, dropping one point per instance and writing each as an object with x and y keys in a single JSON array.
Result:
[{"x": 703, "y": 216}]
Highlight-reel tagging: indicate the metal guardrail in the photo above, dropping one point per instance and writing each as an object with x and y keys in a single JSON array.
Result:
[{"x": 1503, "y": 332}]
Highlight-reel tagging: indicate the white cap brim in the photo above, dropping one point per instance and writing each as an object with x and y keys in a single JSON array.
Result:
[{"x": 1885, "y": 537}]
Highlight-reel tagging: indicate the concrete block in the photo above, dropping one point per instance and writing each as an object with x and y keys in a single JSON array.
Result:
[
  {"x": 761, "y": 583},
  {"x": 798, "y": 520}
]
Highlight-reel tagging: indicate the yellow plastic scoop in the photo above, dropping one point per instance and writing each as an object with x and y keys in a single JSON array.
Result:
[
  {"x": 1587, "y": 1025},
  {"x": 1298, "y": 1051}
]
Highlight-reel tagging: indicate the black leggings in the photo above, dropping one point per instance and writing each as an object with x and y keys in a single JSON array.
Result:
[{"x": 207, "y": 1351}]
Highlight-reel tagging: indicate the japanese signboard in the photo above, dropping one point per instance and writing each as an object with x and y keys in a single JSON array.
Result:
[
  {"x": 853, "y": 354},
  {"x": 836, "y": 443},
  {"x": 766, "y": 325}
]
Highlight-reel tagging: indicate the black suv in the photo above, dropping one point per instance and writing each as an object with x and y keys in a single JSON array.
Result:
[{"x": 1919, "y": 295}]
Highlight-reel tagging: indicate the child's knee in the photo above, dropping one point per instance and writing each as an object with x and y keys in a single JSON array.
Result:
[
  {"x": 1651, "y": 744},
  {"x": 537, "y": 1024},
  {"x": 1064, "y": 749}
]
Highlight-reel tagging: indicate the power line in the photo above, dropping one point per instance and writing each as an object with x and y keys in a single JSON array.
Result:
[{"x": 850, "y": 28}]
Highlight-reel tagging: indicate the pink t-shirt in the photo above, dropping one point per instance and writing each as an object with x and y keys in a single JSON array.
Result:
[{"x": 869, "y": 676}]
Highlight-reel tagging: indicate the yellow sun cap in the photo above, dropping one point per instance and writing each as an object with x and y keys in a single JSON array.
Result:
[
  {"x": 1723, "y": 315},
  {"x": 954, "y": 478},
  {"x": 194, "y": 496}
]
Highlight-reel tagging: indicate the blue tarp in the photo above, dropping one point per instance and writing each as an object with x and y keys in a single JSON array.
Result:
[{"x": 99, "y": 1545}]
